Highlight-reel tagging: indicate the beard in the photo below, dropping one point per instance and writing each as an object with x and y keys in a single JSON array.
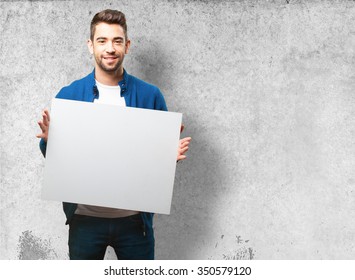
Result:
[{"x": 110, "y": 68}]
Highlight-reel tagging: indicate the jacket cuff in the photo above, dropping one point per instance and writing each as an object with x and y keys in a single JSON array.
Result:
[{"x": 43, "y": 147}]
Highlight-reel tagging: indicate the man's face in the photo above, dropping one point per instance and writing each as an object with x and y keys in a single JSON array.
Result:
[{"x": 109, "y": 46}]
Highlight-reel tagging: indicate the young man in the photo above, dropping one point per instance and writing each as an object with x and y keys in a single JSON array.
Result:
[{"x": 93, "y": 228}]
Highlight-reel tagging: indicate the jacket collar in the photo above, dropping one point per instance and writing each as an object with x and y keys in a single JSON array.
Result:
[{"x": 123, "y": 83}]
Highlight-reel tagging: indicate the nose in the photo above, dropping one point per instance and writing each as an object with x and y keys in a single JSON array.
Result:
[{"x": 110, "y": 48}]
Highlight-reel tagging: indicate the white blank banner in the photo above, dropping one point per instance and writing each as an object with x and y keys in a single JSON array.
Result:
[{"x": 111, "y": 156}]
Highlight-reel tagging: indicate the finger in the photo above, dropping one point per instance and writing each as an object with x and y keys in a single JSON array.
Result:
[
  {"x": 181, "y": 157},
  {"x": 183, "y": 141},
  {"x": 45, "y": 119},
  {"x": 184, "y": 150},
  {"x": 43, "y": 136},
  {"x": 47, "y": 114},
  {"x": 184, "y": 144},
  {"x": 186, "y": 139},
  {"x": 181, "y": 153},
  {"x": 42, "y": 126}
]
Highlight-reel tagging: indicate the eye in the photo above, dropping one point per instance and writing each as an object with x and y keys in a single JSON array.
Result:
[
  {"x": 118, "y": 42},
  {"x": 101, "y": 41}
]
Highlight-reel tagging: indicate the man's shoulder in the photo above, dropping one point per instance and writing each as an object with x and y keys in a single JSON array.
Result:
[
  {"x": 148, "y": 95},
  {"x": 76, "y": 89},
  {"x": 143, "y": 85}
]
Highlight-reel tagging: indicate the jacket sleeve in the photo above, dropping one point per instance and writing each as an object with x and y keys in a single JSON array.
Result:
[
  {"x": 160, "y": 101},
  {"x": 42, "y": 143},
  {"x": 43, "y": 147}
]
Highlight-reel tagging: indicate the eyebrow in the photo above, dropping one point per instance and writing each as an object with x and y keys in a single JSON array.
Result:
[{"x": 105, "y": 38}]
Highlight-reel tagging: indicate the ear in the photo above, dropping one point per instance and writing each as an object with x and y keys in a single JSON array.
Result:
[
  {"x": 90, "y": 46},
  {"x": 128, "y": 44}
]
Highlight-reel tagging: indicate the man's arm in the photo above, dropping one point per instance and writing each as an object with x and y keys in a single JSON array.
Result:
[
  {"x": 183, "y": 145},
  {"x": 44, "y": 125}
]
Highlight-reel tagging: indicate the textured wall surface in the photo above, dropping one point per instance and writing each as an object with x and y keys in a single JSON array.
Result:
[{"x": 267, "y": 89}]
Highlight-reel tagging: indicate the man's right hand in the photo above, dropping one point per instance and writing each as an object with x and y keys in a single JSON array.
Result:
[{"x": 44, "y": 125}]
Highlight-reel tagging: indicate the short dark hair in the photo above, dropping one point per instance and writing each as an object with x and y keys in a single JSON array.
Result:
[{"x": 110, "y": 17}]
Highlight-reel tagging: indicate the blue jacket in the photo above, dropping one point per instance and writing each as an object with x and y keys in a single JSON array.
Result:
[{"x": 136, "y": 93}]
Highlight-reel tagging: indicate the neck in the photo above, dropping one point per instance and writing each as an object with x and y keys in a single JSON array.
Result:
[{"x": 108, "y": 78}]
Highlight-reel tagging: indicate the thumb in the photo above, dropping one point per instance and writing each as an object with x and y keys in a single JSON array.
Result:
[{"x": 182, "y": 128}]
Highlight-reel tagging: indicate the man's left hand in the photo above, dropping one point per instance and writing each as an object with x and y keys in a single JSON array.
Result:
[{"x": 183, "y": 147}]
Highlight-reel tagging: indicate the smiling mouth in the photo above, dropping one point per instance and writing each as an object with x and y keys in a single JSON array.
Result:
[{"x": 110, "y": 57}]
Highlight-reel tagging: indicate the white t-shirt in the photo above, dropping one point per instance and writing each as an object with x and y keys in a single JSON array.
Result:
[{"x": 107, "y": 95}]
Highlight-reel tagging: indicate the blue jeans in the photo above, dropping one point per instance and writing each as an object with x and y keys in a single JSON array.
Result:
[{"x": 90, "y": 236}]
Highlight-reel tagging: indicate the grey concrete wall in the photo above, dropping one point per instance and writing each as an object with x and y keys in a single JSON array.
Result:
[{"x": 267, "y": 91}]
